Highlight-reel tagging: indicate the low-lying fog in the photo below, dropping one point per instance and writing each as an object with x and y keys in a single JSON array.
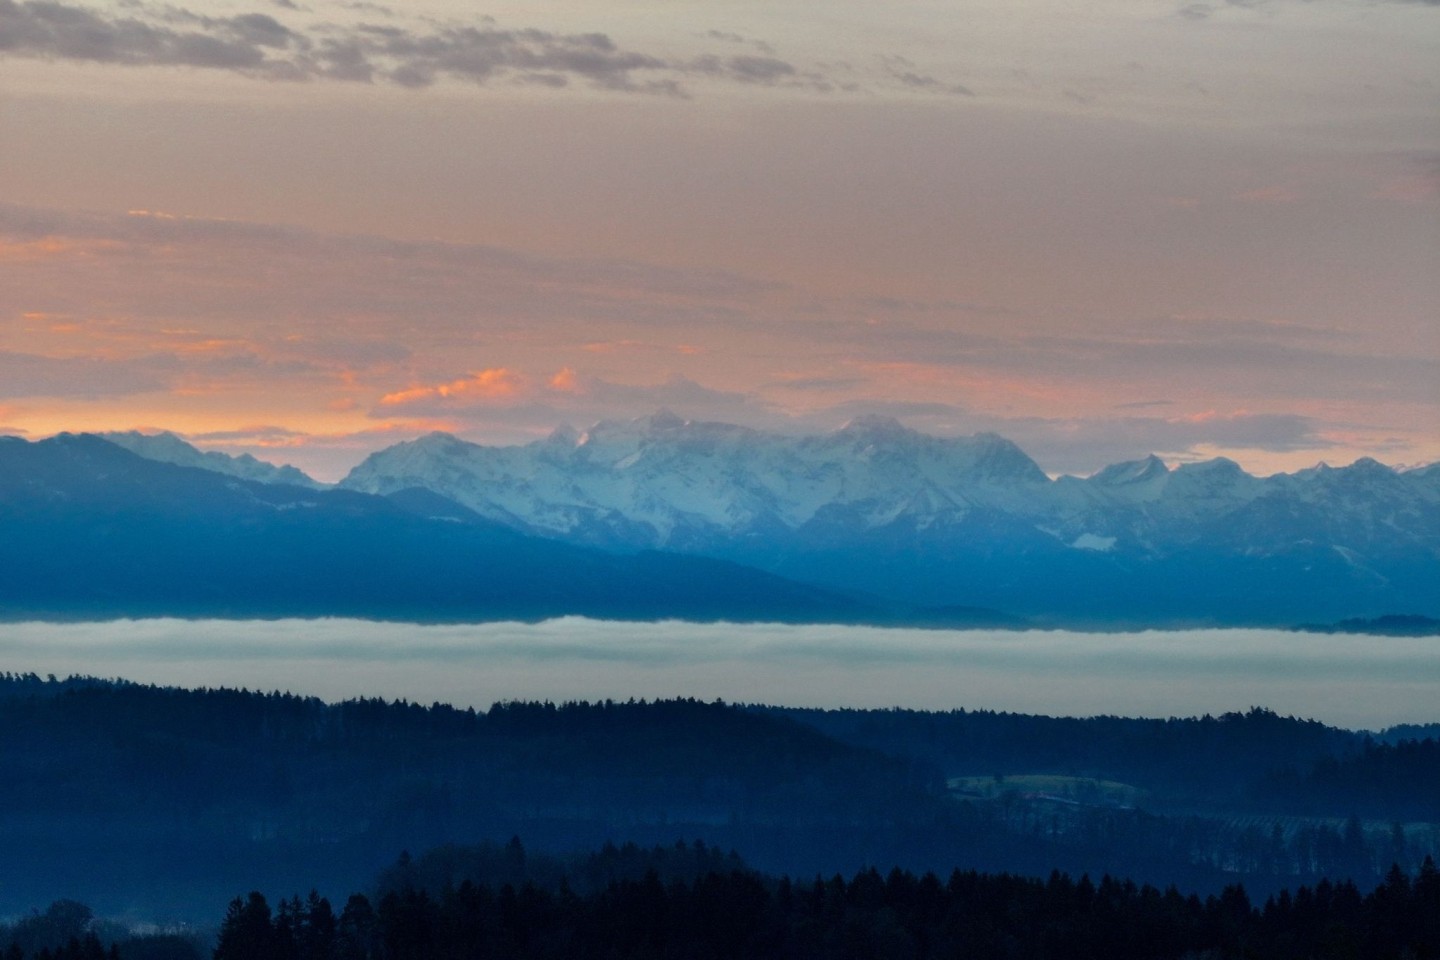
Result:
[{"x": 1352, "y": 681}]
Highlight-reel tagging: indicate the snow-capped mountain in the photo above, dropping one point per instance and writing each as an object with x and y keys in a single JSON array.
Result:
[
  {"x": 872, "y": 522},
  {"x": 168, "y": 448},
  {"x": 662, "y": 481},
  {"x": 878, "y": 507}
]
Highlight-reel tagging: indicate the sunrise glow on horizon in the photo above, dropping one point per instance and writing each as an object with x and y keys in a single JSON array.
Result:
[{"x": 307, "y": 231}]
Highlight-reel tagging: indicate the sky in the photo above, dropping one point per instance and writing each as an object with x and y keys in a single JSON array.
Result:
[
  {"x": 308, "y": 229},
  {"x": 1357, "y": 682}
]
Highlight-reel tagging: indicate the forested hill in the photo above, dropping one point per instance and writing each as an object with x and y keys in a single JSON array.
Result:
[
  {"x": 1254, "y": 761},
  {"x": 167, "y": 801}
]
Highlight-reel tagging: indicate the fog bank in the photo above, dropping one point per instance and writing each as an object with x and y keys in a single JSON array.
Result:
[{"x": 1352, "y": 681}]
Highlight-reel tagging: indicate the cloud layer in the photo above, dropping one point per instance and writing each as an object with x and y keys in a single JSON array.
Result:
[
  {"x": 1358, "y": 682},
  {"x": 259, "y": 45},
  {"x": 1100, "y": 232},
  {"x": 379, "y": 339}
]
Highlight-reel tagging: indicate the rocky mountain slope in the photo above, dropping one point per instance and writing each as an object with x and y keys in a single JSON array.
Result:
[{"x": 168, "y": 448}]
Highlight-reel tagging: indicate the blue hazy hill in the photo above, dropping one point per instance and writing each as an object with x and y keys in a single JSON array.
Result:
[{"x": 89, "y": 529}]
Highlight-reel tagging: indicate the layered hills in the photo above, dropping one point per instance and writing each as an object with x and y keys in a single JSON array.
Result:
[{"x": 166, "y": 802}]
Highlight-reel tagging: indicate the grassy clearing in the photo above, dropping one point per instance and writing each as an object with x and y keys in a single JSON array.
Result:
[{"x": 1084, "y": 790}]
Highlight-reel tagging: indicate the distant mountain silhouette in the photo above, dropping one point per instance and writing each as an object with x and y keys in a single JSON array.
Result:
[
  {"x": 1390, "y": 625},
  {"x": 90, "y": 529}
]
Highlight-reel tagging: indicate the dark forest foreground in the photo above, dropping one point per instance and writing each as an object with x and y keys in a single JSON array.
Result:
[
  {"x": 161, "y": 803},
  {"x": 737, "y": 913}
]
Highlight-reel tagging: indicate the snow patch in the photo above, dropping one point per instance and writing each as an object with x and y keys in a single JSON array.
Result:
[{"x": 1091, "y": 541}]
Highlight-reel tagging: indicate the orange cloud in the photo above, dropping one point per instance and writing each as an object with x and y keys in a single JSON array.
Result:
[
  {"x": 610, "y": 346},
  {"x": 402, "y": 397},
  {"x": 55, "y": 248},
  {"x": 1216, "y": 416},
  {"x": 567, "y": 381},
  {"x": 496, "y": 383},
  {"x": 214, "y": 345}
]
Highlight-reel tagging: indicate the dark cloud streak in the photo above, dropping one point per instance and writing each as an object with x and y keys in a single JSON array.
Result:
[
  {"x": 258, "y": 45},
  {"x": 44, "y": 28},
  {"x": 905, "y": 72}
]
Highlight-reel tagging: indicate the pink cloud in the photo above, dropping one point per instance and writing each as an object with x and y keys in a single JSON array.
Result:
[
  {"x": 566, "y": 380},
  {"x": 1274, "y": 194},
  {"x": 496, "y": 383}
]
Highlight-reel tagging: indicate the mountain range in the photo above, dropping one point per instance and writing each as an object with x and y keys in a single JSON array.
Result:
[
  {"x": 661, "y": 516},
  {"x": 879, "y": 508},
  {"x": 90, "y": 529}
]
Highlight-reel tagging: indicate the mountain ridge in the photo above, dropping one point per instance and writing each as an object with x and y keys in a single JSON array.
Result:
[
  {"x": 914, "y": 525},
  {"x": 167, "y": 447},
  {"x": 964, "y": 520},
  {"x": 89, "y": 529}
]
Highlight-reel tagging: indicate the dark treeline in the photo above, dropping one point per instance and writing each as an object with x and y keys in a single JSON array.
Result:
[
  {"x": 510, "y": 864},
  {"x": 700, "y": 904},
  {"x": 898, "y": 916},
  {"x": 69, "y": 930},
  {"x": 1402, "y": 779},
  {"x": 105, "y": 779},
  {"x": 90, "y": 946}
]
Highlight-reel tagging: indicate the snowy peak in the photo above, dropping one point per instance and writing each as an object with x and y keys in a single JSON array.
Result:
[
  {"x": 663, "y": 419},
  {"x": 721, "y": 489},
  {"x": 661, "y": 479},
  {"x": 1429, "y": 473},
  {"x": 166, "y": 447},
  {"x": 1368, "y": 468},
  {"x": 416, "y": 456},
  {"x": 1148, "y": 470},
  {"x": 663, "y": 426},
  {"x": 999, "y": 460},
  {"x": 874, "y": 425},
  {"x": 1364, "y": 468},
  {"x": 563, "y": 436},
  {"x": 1217, "y": 477},
  {"x": 435, "y": 440},
  {"x": 1214, "y": 467}
]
